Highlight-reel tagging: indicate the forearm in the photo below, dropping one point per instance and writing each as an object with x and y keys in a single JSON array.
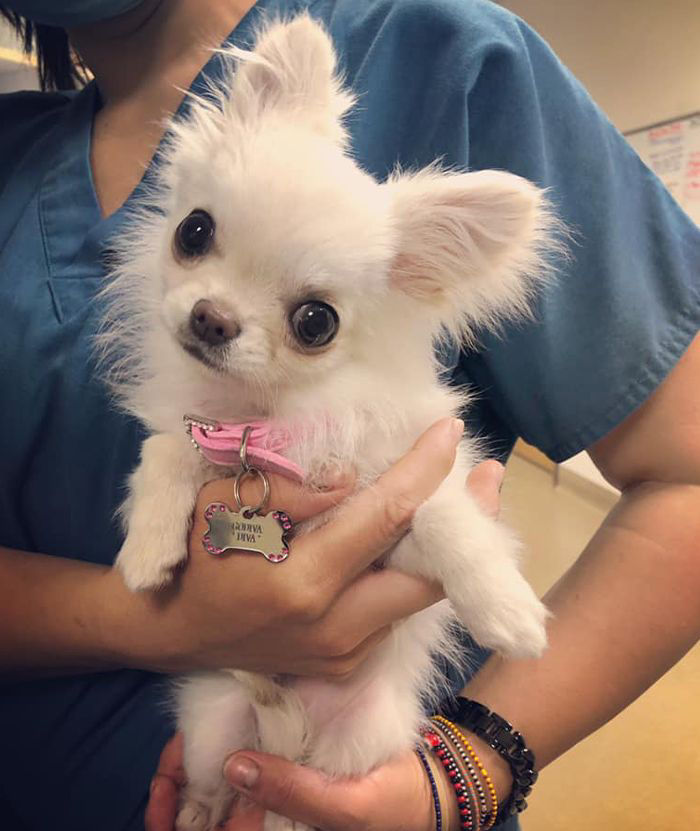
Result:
[
  {"x": 623, "y": 614},
  {"x": 60, "y": 616}
]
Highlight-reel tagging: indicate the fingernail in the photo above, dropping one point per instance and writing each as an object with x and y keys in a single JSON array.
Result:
[
  {"x": 498, "y": 476},
  {"x": 155, "y": 786},
  {"x": 457, "y": 427},
  {"x": 241, "y": 772}
]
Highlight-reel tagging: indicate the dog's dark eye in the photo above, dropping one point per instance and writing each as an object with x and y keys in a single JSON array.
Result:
[
  {"x": 314, "y": 323},
  {"x": 195, "y": 234}
]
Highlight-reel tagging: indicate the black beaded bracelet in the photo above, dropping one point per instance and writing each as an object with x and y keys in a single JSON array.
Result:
[
  {"x": 509, "y": 744},
  {"x": 433, "y": 788}
]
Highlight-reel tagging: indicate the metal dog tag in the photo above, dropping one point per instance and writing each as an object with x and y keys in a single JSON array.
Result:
[{"x": 246, "y": 530}]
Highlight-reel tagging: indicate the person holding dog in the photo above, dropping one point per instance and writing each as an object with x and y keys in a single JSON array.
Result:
[{"x": 609, "y": 364}]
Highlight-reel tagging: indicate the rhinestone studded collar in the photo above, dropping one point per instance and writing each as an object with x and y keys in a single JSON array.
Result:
[{"x": 220, "y": 444}]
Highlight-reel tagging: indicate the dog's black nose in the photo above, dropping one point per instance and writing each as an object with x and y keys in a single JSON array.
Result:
[{"x": 213, "y": 325}]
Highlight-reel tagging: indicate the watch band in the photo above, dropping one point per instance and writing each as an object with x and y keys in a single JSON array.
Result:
[{"x": 508, "y": 743}]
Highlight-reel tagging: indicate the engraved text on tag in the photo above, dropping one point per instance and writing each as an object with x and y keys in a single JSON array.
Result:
[{"x": 245, "y": 530}]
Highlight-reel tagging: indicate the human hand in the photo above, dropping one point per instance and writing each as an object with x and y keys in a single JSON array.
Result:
[
  {"x": 395, "y": 795},
  {"x": 392, "y": 796},
  {"x": 319, "y": 612},
  {"x": 484, "y": 483}
]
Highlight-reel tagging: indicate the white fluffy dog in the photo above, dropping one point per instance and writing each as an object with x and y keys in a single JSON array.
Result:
[{"x": 320, "y": 294}]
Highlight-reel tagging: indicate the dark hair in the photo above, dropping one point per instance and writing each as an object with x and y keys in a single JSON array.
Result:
[{"x": 58, "y": 69}]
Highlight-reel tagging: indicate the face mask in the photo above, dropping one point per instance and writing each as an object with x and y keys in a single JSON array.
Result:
[{"x": 68, "y": 13}]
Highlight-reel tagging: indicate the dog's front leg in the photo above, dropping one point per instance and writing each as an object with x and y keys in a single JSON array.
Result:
[
  {"x": 162, "y": 494},
  {"x": 475, "y": 558}
]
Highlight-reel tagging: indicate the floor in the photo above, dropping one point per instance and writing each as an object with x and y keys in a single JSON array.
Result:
[{"x": 641, "y": 772}]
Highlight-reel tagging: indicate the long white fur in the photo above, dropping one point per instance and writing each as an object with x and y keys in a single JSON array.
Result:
[{"x": 266, "y": 154}]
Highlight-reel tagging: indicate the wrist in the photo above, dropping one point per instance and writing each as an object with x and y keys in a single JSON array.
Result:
[
  {"x": 109, "y": 615},
  {"x": 475, "y": 801},
  {"x": 125, "y": 624},
  {"x": 53, "y": 610},
  {"x": 496, "y": 767},
  {"x": 511, "y": 748},
  {"x": 146, "y": 630}
]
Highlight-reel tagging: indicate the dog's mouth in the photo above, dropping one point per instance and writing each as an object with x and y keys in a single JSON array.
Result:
[{"x": 211, "y": 358}]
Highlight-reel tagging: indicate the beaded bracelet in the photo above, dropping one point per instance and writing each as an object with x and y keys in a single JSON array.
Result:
[
  {"x": 482, "y": 770},
  {"x": 433, "y": 787},
  {"x": 470, "y": 777},
  {"x": 443, "y": 789},
  {"x": 466, "y": 805},
  {"x": 473, "y": 778}
]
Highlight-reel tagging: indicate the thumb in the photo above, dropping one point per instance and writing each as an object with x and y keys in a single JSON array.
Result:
[
  {"x": 293, "y": 791},
  {"x": 386, "y": 508},
  {"x": 485, "y": 482}
]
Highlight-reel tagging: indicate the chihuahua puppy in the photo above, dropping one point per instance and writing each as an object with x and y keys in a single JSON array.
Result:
[{"x": 271, "y": 278}]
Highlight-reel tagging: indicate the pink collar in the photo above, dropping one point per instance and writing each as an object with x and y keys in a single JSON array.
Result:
[{"x": 220, "y": 443}]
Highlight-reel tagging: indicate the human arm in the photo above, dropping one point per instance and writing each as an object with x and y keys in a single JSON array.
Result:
[
  {"x": 64, "y": 616},
  {"x": 627, "y": 610},
  {"x": 61, "y": 615}
]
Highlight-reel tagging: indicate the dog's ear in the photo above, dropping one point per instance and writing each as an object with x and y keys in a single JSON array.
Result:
[
  {"x": 292, "y": 67},
  {"x": 472, "y": 245}
]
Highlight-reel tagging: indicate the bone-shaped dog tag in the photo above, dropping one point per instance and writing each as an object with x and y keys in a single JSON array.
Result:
[{"x": 245, "y": 530}]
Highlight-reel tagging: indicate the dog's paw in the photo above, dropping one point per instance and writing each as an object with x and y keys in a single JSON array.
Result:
[
  {"x": 204, "y": 810},
  {"x": 495, "y": 602},
  {"x": 192, "y": 816},
  {"x": 274, "y": 822},
  {"x": 143, "y": 565},
  {"x": 512, "y": 621}
]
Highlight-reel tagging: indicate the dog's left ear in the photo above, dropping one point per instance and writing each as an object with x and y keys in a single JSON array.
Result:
[
  {"x": 470, "y": 245},
  {"x": 292, "y": 68}
]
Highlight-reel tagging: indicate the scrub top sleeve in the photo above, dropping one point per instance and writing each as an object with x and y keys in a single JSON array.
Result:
[{"x": 626, "y": 304}]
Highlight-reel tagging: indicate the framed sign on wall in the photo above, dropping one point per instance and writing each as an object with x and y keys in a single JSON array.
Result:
[{"x": 672, "y": 150}]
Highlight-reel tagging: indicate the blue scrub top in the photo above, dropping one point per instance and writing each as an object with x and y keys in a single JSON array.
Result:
[{"x": 463, "y": 80}]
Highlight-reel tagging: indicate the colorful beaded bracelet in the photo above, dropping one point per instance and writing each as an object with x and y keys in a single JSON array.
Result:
[
  {"x": 433, "y": 787},
  {"x": 470, "y": 777},
  {"x": 474, "y": 778},
  {"x": 444, "y": 790},
  {"x": 482, "y": 770},
  {"x": 466, "y": 806}
]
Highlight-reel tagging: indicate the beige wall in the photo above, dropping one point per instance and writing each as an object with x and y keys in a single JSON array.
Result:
[
  {"x": 640, "y": 59},
  {"x": 14, "y": 73}
]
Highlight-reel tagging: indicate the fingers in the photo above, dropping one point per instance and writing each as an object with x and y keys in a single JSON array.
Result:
[
  {"x": 162, "y": 804},
  {"x": 299, "y": 793},
  {"x": 300, "y": 503},
  {"x": 337, "y": 664},
  {"x": 362, "y": 617},
  {"x": 373, "y": 520},
  {"x": 484, "y": 482},
  {"x": 375, "y": 601},
  {"x": 170, "y": 762}
]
